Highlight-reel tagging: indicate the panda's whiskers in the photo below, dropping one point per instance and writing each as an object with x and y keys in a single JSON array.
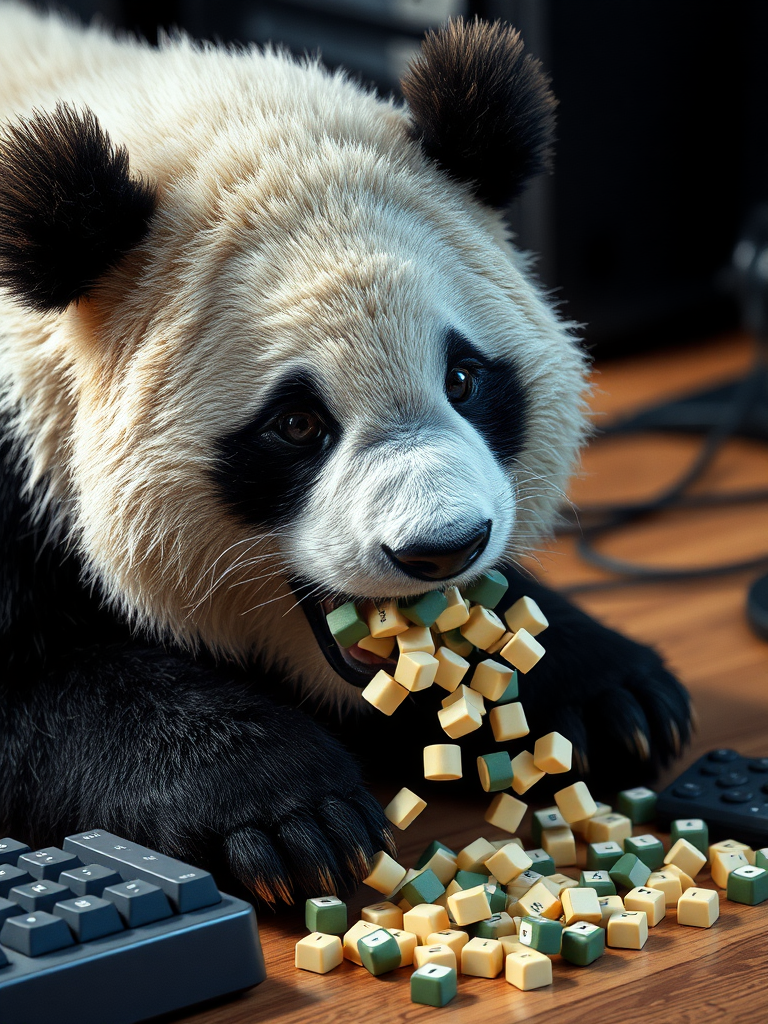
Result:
[
  {"x": 316, "y": 589},
  {"x": 264, "y": 577},
  {"x": 262, "y": 604},
  {"x": 244, "y": 560}
]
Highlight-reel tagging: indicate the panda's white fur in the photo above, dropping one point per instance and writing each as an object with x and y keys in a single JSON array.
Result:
[{"x": 298, "y": 223}]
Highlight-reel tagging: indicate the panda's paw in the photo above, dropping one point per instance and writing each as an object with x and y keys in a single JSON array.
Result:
[
  {"x": 636, "y": 725},
  {"x": 625, "y": 713},
  {"x": 289, "y": 811},
  {"x": 310, "y": 850}
]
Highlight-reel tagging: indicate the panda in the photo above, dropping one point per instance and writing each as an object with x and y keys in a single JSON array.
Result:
[{"x": 266, "y": 346}]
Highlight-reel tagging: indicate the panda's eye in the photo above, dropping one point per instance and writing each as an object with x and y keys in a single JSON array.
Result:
[
  {"x": 300, "y": 427},
  {"x": 459, "y": 384}
]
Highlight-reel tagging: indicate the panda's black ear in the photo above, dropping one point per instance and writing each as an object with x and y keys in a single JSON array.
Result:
[
  {"x": 69, "y": 207},
  {"x": 481, "y": 107}
]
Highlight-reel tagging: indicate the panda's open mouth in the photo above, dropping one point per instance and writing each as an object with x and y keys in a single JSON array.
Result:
[{"x": 353, "y": 664}]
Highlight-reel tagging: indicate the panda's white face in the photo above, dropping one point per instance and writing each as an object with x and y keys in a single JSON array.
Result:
[
  {"x": 380, "y": 428},
  {"x": 382, "y": 375},
  {"x": 324, "y": 373}
]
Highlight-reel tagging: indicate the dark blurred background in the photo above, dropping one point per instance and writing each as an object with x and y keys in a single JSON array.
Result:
[{"x": 662, "y": 138}]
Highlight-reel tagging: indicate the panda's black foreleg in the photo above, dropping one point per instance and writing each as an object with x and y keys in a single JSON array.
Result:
[
  {"x": 614, "y": 698},
  {"x": 146, "y": 744}
]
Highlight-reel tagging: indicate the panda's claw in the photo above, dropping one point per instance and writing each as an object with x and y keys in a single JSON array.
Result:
[
  {"x": 635, "y": 726},
  {"x": 310, "y": 858},
  {"x": 642, "y": 745},
  {"x": 581, "y": 761},
  {"x": 300, "y": 856},
  {"x": 254, "y": 861},
  {"x": 359, "y": 833},
  {"x": 379, "y": 827}
]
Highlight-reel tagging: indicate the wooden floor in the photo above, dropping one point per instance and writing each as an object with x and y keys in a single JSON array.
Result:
[{"x": 682, "y": 974}]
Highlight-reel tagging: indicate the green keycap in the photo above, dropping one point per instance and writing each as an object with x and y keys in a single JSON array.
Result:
[
  {"x": 600, "y": 881},
  {"x": 488, "y": 590},
  {"x": 326, "y": 914},
  {"x": 492, "y": 927},
  {"x": 541, "y": 934},
  {"x": 542, "y": 862},
  {"x": 345, "y": 624},
  {"x": 433, "y": 985},
  {"x": 582, "y": 943},
  {"x": 469, "y": 879},
  {"x": 497, "y": 897},
  {"x": 629, "y": 871},
  {"x": 761, "y": 858},
  {"x": 379, "y": 951},
  {"x": 457, "y": 643},
  {"x": 511, "y": 692},
  {"x": 602, "y": 856},
  {"x": 748, "y": 884},
  {"x": 498, "y": 768},
  {"x": 550, "y": 817},
  {"x": 695, "y": 830},
  {"x": 430, "y": 852},
  {"x": 425, "y": 887},
  {"x": 648, "y": 848},
  {"x": 423, "y": 610},
  {"x": 639, "y": 804}
]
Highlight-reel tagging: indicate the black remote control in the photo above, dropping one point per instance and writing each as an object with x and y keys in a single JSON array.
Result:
[{"x": 728, "y": 791}]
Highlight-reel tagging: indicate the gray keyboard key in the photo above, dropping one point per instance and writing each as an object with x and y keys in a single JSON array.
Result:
[
  {"x": 36, "y": 896},
  {"x": 10, "y": 850},
  {"x": 48, "y": 863},
  {"x": 9, "y": 909},
  {"x": 89, "y": 917},
  {"x": 35, "y": 934},
  {"x": 139, "y": 902},
  {"x": 187, "y": 887},
  {"x": 90, "y": 880},
  {"x": 11, "y": 876}
]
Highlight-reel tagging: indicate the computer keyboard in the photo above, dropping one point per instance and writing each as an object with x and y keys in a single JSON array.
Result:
[{"x": 105, "y": 931}]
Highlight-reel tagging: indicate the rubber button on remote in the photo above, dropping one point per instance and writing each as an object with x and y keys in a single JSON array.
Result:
[
  {"x": 760, "y": 764},
  {"x": 732, "y": 780},
  {"x": 724, "y": 754},
  {"x": 736, "y": 796},
  {"x": 687, "y": 790}
]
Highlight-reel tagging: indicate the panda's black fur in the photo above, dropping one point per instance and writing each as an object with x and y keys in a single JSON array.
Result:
[{"x": 105, "y": 722}]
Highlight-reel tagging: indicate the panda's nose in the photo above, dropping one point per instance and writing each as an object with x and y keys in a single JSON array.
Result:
[{"x": 426, "y": 561}]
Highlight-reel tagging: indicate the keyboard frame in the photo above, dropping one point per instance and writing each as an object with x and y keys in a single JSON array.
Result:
[{"x": 137, "y": 973}]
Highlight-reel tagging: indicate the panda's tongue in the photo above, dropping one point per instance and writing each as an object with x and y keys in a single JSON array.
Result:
[{"x": 366, "y": 657}]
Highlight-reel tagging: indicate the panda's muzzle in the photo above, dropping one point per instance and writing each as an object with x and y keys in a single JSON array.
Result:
[
  {"x": 354, "y": 665},
  {"x": 419, "y": 561}
]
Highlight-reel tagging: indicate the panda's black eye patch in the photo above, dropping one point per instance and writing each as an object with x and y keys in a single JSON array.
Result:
[
  {"x": 488, "y": 393},
  {"x": 266, "y": 468}
]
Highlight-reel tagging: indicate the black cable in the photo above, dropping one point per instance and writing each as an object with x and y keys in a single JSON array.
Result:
[
  {"x": 689, "y": 501},
  {"x": 673, "y": 496},
  {"x": 750, "y": 260}
]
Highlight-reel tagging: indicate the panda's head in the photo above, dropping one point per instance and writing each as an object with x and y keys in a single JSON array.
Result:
[{"x": 297, "y": 360}]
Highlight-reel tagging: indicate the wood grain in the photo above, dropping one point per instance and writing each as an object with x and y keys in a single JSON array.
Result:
[{"x": 682, "y": 974}]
